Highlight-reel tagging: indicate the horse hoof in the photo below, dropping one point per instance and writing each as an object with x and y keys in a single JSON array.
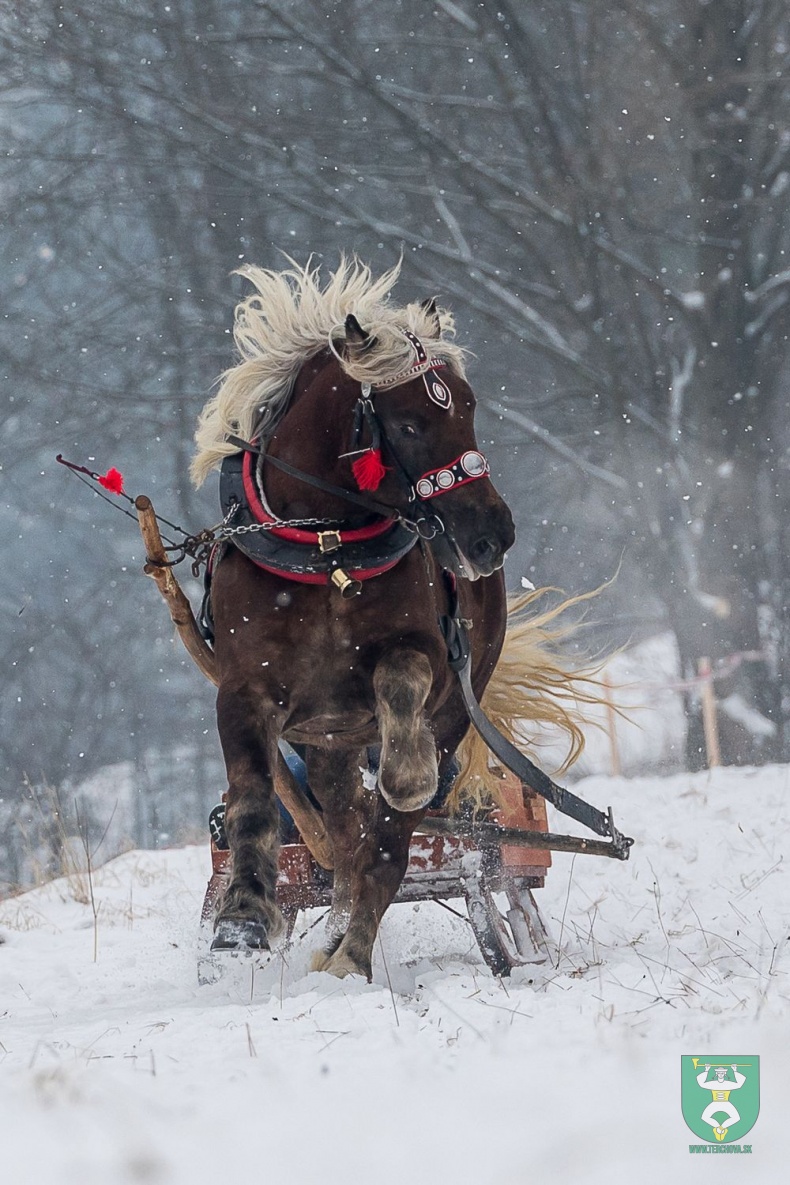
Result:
[
  {"x": 341, "y": 965},
  {"x": 240, "y": 934},
  {"x": 406, "y": 804},
  {"x": 319, "y": 960}
]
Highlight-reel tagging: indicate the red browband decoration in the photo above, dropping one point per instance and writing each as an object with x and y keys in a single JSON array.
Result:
[{"x": 412, "y": 373}]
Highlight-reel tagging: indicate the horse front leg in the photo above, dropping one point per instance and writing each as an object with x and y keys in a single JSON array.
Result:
[
  {"x": 370, "y": 842},
  {"x": 248, "y": 916},
  {"x": 378, "y": 865}
]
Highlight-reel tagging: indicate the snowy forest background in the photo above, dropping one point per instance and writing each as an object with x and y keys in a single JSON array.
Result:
[{"x": 600, "y": 191}]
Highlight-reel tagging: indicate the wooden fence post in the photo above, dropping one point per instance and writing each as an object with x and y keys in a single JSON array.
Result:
[
  {"x": 611, "y": 728},
  {"x": 709, "y": 721}
]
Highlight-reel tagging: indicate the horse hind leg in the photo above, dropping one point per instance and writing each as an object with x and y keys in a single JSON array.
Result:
[
  {"x": 377, "y": 871},
  {"x": 408, "y": 772},
  {"x": 370, "y": 843}
]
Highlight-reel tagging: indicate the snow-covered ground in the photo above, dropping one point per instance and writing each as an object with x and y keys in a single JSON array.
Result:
[{"x": 119, "y": 1069}]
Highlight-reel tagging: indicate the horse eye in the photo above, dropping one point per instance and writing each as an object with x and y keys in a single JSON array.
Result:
[{"x": 408, "y": 430}]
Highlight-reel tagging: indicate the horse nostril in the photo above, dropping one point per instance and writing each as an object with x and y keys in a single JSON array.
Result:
[{"x": 483, "y": 550}]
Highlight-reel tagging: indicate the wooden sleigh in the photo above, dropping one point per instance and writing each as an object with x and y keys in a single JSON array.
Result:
[{"x": 496, "y": 880}]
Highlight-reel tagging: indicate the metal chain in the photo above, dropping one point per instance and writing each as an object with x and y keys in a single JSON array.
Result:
[
  {"x": 199, "y": 546},
  {"x": 251, "y": 528},
  {"x": 427, "y": 527}
]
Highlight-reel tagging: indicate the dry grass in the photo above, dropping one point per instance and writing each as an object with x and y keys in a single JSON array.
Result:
[
  {"x": 65, "y": 859},
  {"x": 58, "y": 851}
]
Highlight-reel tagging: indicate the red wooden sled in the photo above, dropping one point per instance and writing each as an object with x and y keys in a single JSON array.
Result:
[{"x": 496, "y": 883}]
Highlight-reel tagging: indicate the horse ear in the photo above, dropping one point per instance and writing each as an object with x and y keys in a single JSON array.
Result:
[
  {"x": 357, "y": 340},
  {"x": 429, "y": 306}
]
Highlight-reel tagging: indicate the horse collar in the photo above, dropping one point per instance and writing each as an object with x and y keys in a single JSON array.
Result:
[{"x": 319, "y": 556}]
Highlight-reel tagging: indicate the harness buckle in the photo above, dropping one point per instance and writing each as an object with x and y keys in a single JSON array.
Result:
[
  {"x": 429, "y": 527},
  {"x": 329, "y": 541}
]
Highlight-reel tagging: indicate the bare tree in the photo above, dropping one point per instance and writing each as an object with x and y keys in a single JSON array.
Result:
[{"x": 600, "y": 191}]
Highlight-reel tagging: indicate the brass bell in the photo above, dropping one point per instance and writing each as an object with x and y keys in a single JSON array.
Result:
[{"x": 342, "y": 580}]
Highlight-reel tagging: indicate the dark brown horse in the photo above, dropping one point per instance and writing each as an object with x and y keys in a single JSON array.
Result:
[{"x": 336, "y": 383}]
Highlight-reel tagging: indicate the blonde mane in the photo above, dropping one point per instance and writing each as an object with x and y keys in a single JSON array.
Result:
[{"x": 288, "y": 320}]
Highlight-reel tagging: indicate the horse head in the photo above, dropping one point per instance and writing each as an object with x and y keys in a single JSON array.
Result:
[{"x": 420, "y": 422}]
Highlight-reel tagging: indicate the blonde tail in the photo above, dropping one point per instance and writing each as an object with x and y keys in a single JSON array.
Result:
[{"x": 535, "y": 684}]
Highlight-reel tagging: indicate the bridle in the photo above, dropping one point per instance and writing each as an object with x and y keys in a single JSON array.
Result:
[
  {"x": 328, "y": 551},
  {"x": 470, "y": 466},
  {"x": 423, "y": 520}
]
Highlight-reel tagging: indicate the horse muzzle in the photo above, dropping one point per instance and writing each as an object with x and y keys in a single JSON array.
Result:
[
  {"x": 480, "y": 545},
  {"x": 485, "y": 556}
]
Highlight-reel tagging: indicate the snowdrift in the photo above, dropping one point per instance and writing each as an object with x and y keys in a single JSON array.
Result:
[{"x": 118, "y": 1068}]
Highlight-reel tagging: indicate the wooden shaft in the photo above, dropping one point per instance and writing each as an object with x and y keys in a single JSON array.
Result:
[
  {"x": 175, "y": 598},
  {"x": 710, "y": 722},
  {"x": 487, "y": 835},
  {"x": 306, "y": 817},
  {"x": 308, "y": 820}
]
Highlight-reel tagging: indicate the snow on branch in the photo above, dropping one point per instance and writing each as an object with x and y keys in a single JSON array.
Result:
[
  {"x": 534, "y": 318},
  {"x": 456, "y": 13},
  {"x": 454, "y": 227},
  {"x": 681, "y": 377},
  {"x": 755, "y": 327},
  {"x": 557, "y": 446},
  {"x": 752, "y": 295}
]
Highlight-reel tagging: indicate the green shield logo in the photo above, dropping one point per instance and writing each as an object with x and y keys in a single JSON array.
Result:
[{"x": 720, "y": 1096}]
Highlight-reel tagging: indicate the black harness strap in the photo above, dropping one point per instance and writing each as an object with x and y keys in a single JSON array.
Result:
[
  {"x": 358, "y": 499},
  {"x": 369, "y": 504},
  {"x": 459, "y": 657},
  {"x": 421, "y": 518}
]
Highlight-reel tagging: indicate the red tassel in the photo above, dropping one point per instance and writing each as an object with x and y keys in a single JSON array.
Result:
[
  {"x": 369, "y": 470},
  {"x": 112, "y": 481}
]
